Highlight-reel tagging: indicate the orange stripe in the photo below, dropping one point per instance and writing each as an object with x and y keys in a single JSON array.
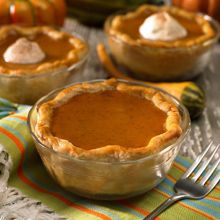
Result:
[
  {"x": 28, "y": 182},
  {"x": 180, "y": 167},
  {"x": 24, "y": 118},
  {"x": 14, "y": 139},
  {"x": 187, "y": 206},
  {"x": 172, "y": 179},
  {"x": 138, "y": 209},
  {"x": 183, "y": 169},
  {"x": 213, "y": 198}
]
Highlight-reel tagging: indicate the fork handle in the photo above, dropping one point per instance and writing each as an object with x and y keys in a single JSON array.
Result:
[{"x": 165, "y": 205}]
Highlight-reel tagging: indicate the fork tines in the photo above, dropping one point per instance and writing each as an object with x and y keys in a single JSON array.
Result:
[{"x": 203, "y": 165}]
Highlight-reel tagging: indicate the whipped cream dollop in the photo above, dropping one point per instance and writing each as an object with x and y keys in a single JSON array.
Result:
[
  {"x": 162, "y": 26},
  {"x": 24, "y": 51}
]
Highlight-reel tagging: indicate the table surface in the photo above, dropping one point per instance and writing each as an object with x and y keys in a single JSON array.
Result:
[{"x": 205, "y": 128}]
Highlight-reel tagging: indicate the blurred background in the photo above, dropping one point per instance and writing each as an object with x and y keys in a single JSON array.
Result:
[
  {"x": 94, "y": 12},
  {"x": 89, "y": 12}
]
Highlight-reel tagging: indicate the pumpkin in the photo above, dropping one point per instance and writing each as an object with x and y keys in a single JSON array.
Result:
[
  {"x": 32, "y": 12},
  {"x": 211, "y": 7}
]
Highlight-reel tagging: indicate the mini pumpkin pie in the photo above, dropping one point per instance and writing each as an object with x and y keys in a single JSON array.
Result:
[
  {"x": 37, "y": 49},
  {"x": 108, "y": 121},
  {"x": 35, "y": 60},
  {"x": 162, "y": 43}
]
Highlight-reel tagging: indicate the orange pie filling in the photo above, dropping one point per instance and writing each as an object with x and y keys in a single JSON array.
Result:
[
  {"x": 108, "y": 120},
  {"x": 94, "y": 120}
]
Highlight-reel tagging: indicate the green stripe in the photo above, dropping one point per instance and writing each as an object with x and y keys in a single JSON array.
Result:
[{"x": 6, "y": 103}]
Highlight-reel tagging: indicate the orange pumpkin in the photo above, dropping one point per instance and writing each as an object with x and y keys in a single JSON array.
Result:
[
  {"x": 211, "y": 7},
  {"x": 32, "y": 12}
]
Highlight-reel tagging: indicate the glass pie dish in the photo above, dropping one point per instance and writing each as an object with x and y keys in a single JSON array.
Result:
[
  {"x": 28, "y": 88},
  {"x": 36, "y": 60},
  {"x": 155, "y": 61},
  {"x": 108, "y": 180}
]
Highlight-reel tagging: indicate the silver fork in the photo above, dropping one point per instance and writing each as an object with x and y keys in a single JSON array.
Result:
[{"x": 190, "y": 187}]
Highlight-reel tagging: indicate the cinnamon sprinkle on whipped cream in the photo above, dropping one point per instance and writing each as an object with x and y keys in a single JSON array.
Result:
[{"x": 24, "y": 51}]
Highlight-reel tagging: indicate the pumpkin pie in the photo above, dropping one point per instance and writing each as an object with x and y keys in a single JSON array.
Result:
[
  {"x": 162, "y": 43},
  {"x": 35, "y": 50},
  {"x": 108, "y": 121},
  {"x": 36, "y": 60}
]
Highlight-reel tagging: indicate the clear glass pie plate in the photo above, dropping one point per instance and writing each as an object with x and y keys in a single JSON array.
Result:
[
  {"x": 108, "y": 180},
  {"x": 27, "y": 88}
]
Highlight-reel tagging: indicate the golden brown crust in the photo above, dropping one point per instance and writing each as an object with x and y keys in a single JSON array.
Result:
[
  {"x": 207, "y": 29},
  {"x": 109, "y": 152},
  {"x": 78, "y": 52}
]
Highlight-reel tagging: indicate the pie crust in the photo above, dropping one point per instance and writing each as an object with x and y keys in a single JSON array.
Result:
[
  {"x": 146, "y": 10},
  {"x": 109, "y": 152},
  {"x": 75, "y": 54}
]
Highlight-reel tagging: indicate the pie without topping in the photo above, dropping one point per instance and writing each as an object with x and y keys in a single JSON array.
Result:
[
  {"x": 60, "y": 49},
  {"x": 108, "y": 121}
]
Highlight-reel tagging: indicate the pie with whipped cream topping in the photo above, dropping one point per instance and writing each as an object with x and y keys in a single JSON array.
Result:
[
  {"x": 162, "y": 43},
  {"x": 32, "y": 50},
  {"x": 108, "y": 121},
  {"x": 37, "y": 60},
  {"x": 169, "y": 22}
]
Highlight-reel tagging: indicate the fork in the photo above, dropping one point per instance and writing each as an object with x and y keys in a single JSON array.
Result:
[{"x": 191, "y": 185}]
